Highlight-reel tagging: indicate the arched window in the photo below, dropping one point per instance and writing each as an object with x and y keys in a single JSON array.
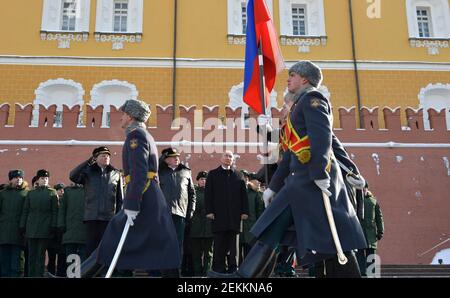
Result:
[
  {"x": 435, "y": 96},
  {"x": 111, "y": 93},
  {"x": 59, "y": 92}
]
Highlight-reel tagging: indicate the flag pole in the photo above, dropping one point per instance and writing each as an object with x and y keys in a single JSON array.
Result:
[{"x": 263, "y": 105}]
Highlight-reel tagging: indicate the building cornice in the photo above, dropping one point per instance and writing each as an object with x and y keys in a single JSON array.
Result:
[{"x": 213, "y": 63}]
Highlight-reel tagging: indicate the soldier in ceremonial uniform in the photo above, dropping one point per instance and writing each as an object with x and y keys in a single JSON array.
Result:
[
  {"x": 308, "y": 171},
  {"x": 38, "y": 222},
  {"x": 11, "y": 240},
  {"x": 151, "y": 242}
]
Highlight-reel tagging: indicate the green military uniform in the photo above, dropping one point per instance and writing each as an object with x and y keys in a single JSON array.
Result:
[
  {"x": 39, "y": 221},
  {"x": 372, "y": 223},
  {"x": 255, "y": 208},
  {"x": 201, "y": 236},
  {"x": 373, "y": 228},
  {"x": 70, "y": 221},
  {"x": 11, "y": 240}
]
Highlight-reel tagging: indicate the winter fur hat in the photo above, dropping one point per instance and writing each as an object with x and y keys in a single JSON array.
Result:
[
  {"x": 15, "y": 174},
  {"x": 137, "y": 109},
  {"x": 42, "y": 173},
  {"x": 309, "y": 71}
]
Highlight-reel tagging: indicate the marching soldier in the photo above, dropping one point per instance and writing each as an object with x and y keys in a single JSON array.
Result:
[
  {"x": 151, "y": 242},
  {"x": 38, "y": 222},
  {"x": 11, "y": 240},
  {"x": 307, "y": 177}
]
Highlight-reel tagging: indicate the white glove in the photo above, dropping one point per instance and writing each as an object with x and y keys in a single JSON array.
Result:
[
  {"x": 265, "y": 120},
  {"x": 324, "y": 184},
  {"x": 131, "y": 215},
  {"x": 357, "y": 183},
  {"x": 267, "y": 196}
]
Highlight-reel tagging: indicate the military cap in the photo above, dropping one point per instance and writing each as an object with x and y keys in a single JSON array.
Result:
[
  {"x": 245, "y": 173},
  {"x": 59, "y": 186},
  {"x": 42, "y": 173},
  {"x": 169, "y": 152},
  {"x": 309, "y": 71},
  {"x": 101, "y": 150},
  {"x": 202, "y": 174},
  {"x": 137, "y": 109},
  {"x": 15, "y": 174}
]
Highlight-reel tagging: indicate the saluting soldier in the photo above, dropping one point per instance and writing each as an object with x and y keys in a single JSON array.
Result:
[
  {"x": 11, "y": 240},
  {"x": 307, "y": 173},
  {"x": 38, "y": 221},
  {"x": 200, "y": 233},
  {"x": 152, "y": 241},
  {"x": 70, "y": 221}
]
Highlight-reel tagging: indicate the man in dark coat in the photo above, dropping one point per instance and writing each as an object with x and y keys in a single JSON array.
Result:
[
  {"x": 151, "y": 242},
  {"x": 307, "y": 174},
  {"x": 226, "y": 205},
  {"x": 178, "y": 188},
  {"x": 103, "y": 198},
  {"x": 11, "y": 240},
  {"x": 200, "y": 234},
  {"x": 38, "y": 222}
]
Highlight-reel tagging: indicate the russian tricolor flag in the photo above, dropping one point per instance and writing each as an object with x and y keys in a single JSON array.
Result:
[{"x": 260, "y": 29}]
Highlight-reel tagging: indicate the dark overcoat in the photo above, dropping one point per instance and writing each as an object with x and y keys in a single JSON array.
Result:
[
  {"x": 226, "y": 197},
  {"x": 151, "y": 242},
  {"x": 294, "y": 184}
]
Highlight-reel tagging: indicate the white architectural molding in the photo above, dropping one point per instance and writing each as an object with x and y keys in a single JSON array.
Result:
[
  {"x": 234, "y": 15},
  {"x": 437, "y": 97},
  {"x": 208, "y": 63},
  {"x": 439, "y": 21},
  {"x": 51, "y": 27},
  {"x": 111, "y": 93},
  {"x": 104, "y": 26},
  {"x": 58, "y": 92}
]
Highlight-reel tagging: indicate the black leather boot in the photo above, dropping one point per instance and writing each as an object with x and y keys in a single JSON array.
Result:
[{"x": 254, "y": 264}]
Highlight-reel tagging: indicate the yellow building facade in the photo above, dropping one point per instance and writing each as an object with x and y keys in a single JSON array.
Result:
[{"x": 105, "y": 51}]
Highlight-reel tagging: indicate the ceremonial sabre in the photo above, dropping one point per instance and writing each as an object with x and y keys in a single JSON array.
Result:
[
  {"x": 118, "y": 250},
  {"x": 341, "y": 256}
]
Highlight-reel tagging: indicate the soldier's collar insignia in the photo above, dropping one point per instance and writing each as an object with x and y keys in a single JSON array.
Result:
[
  {"x": 133, "y": 143},
  {"x": 315, "y": 103}
]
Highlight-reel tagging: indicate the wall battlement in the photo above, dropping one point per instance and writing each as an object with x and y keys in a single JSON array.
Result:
[{"x": 208, "y": 118}]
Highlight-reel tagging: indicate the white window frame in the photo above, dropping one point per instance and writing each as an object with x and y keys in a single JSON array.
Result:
[
  {"x": 439, "y": 18},
  {"x": 244, "y": 16},
  {"x": 234, "y": 15},
  {"x": 424, "y": 19},
  {"x": 434, "y": 96},
  {"x": 52, "y": 16},
  {"x": 299, "y": 20},
  {"x": 315, "y": 17},
  {"x": 104, "y": 21},
  {"x": 121, "y": 14},
  {"x": 70, "y": 13}
]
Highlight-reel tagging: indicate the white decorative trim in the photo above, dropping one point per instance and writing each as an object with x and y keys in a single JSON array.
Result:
[
  {"x": 210, "y": 108},
  {"x": 42, "y": 99},
  {"x": 98, "y": 98},
  {"x": 118, "y": 39},
  {"x": 315, "y": 17},
  {"x": 432, "y": 44},
  {"x": 303, "y": 43},
  {"x": 64, "y": 38},
  {"x": 234, "y": 18},
  {"x": 434, "y": 103},
  {"x": 167, "y": 62}
]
